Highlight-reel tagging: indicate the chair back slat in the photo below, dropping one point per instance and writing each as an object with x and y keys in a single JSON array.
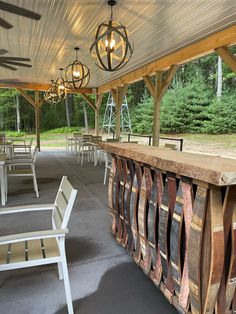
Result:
[
  {"x": 63, "y": 204},
  {"x": 57, "y": 218}
]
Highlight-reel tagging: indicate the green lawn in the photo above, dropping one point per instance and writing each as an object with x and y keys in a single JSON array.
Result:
[{"x": 49, "y": 139}]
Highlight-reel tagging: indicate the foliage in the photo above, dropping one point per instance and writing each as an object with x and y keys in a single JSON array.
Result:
[
  {"x": 64, "y": 130},
  {"x": 15, "y": 134},
  {"x": 184, "y": 108},
  {"x": 142, "y": 116},
  {"x": 222, "y": 116}
]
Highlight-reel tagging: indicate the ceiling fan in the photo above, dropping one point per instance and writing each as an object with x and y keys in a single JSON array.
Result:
[
  {"x": 18, "y": 11},
  {"x": 10, "y": 62}
]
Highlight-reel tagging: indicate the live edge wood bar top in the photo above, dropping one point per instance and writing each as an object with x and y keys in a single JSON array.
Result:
[
  {"x": 175, "y": 214},
  {"x": 211, "y": 169}
]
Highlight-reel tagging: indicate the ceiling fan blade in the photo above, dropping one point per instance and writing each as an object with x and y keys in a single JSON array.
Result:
[
  {"x": 4, "y": 59},
  {"x": 7, "y": 66},
  {"x": 19, "y": 64},
  {"x": 5, "y": 24},
  {"x": 19, "y": 11},
  {"x": 3, "y": 51}
]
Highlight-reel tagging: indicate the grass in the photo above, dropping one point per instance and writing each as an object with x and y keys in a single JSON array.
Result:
[{"x": 49, "y": 139}]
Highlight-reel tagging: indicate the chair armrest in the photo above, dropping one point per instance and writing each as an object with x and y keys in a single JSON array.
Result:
[
  {"x": 20, "y": 163},
  {"x": 26, "y": 208},
  {"x": 19, "y": 237}
]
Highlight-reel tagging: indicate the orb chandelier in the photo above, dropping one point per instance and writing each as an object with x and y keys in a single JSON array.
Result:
[
  {"x": 50, "y": 95},
  {"x": 61, "y": 87},
  {"x": 77, "y": 74},
  {"x": 111, "y": 46}
]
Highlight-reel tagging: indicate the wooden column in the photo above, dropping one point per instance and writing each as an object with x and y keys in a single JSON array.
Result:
[
  {"x": 37, "y": 118},
  {"x": 227, "y": 57},
  {"x": 118, "y": 95},
  {"x": 157, "y": 89},
  {"x": 96, "y": 107},
  {"x": 36, "y": 103}
]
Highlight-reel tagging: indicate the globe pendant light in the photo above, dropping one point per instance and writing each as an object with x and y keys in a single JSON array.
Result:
[
  {"x": 77, "y": 74},
  {"x": 111, "y": 46},
  {"x": 61, "y": 87},
  {"x": 50, "y": 95}
]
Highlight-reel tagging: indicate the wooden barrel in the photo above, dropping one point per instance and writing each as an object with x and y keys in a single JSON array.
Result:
[
  {"x": 144, "y": 196},
  {"x": 153, "y": 223},
  {"x": 134, "y": 199},
  {"x": 166, "y": 213},
  {"x": 121, "y": 234}
]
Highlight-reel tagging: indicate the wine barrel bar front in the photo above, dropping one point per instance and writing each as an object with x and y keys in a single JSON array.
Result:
[{"x": 175, "y": 213}]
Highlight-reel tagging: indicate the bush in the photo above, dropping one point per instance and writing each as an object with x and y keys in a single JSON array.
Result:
[
  {"x": 15, "y": 134},
  {"x": 64, "y": 130},
  {"x": 222, "y": 116}
]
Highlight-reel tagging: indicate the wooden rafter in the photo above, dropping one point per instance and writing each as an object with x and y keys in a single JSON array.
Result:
[
  {"x": 27, "y": 97},
  {"x": 157, "y": 89},
  {"x": 193, "y": 51},
  {"x": 228, "y": 57},
  {"x": 89, "y": 101}
]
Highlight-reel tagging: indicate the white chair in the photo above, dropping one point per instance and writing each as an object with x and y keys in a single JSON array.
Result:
[
  {"x": 42, "y": 247},
  {"x": 23, "y": 168},
  {"x": 107, "y": 166},
  {"x": 23, "y": 150}
]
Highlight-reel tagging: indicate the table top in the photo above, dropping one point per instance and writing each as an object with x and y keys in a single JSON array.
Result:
[{"x": 215, "y": 170}]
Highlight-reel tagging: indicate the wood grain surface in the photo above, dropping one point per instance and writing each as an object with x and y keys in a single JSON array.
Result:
[{"x": 211, "y": 169}]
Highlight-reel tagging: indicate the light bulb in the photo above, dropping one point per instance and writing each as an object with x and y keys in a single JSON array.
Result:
[
  {"x": 111, "y": 44},
  {"x": 76, "y": 74}
]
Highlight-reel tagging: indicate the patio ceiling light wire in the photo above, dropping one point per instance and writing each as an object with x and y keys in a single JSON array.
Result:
[
  {"x": 111, "y": 46},
  {"x": 77, "y": 74}
]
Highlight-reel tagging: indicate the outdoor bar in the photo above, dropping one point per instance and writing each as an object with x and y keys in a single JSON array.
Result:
[{"x": 175, "y": 213}]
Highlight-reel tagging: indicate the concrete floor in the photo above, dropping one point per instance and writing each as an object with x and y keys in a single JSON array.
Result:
[{"x": 104, "y": 279}]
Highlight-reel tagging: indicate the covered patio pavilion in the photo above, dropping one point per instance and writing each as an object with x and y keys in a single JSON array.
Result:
[{"x": 166, "y": 34}]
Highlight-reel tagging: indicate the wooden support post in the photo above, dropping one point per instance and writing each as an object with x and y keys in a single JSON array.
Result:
[
  {"x": 37, "y": 118},
  {"x": 36, "y": 103},
  {"x": 228, "y": 57},
  {"x": 157, "y": 90},
  {"x": 98, "y": 105},
  {"x": 118, "y": 95}
]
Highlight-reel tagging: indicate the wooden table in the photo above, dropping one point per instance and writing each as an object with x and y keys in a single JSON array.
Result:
[{"x": 175, "y": 213}]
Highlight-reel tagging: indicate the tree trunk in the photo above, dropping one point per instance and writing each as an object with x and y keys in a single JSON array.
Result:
[
  {"x": 18, "y": 114},
  {"x": 85, "y": 117},
  {"x": 67, "y": 111},
  {"x": 219, "y": 78}
]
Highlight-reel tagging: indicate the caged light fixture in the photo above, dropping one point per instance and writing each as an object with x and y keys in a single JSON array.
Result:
[
  {"x": 77, "y": 74},
  {"x": 61, "y": 87},
  {"x": 50, "y": 95},
  {"x": 111, "y": 46}
]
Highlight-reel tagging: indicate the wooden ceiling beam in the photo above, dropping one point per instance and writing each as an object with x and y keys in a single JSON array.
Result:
[
  {"x": 41, "y": 87},
  {"x": 193, "y": 51},
  {"x": 227, "y": 57}
]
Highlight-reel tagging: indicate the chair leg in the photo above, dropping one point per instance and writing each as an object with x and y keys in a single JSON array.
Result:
[
  {"x": 35, "y": 183},
  {"x": 66, "y": 280},
  {"x": 105, "y": 175},
  {"x": 60, "y": 272}
]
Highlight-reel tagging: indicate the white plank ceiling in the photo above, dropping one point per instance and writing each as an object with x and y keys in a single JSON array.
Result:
[{"x": 156, "y": 27}]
